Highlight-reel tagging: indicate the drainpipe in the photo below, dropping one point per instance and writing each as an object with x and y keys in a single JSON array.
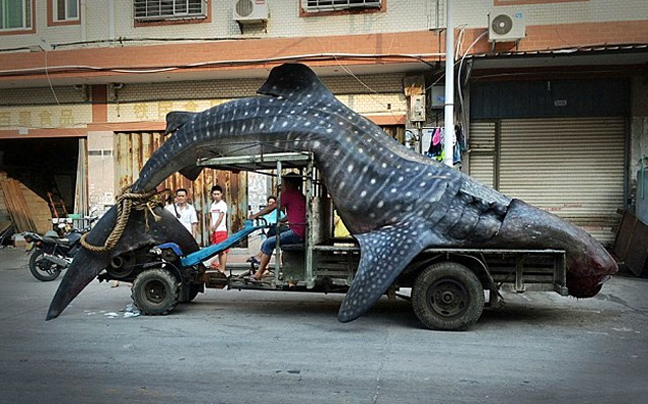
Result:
[
  {"x": 642, "y": 183},
  {"x": 448, "y": 117},
  {"x": 82, "y": 17},
  {"x": 111, "y": 20}
]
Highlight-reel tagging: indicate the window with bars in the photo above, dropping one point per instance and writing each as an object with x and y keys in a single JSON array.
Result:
[
  {"x": 15, "y": 14},
  {"x": 66, "y": 10},
  {"x": 337, "y": 5},
  {"x": 148, "y": 10}
]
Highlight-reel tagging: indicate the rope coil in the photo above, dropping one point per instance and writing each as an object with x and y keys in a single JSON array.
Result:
[{"x": 126, "y": 201}]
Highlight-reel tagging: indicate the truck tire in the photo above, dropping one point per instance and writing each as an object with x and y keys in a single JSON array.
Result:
[
  {"x": 448, "y": 296},
  {"x": 43, "y": 269},
  {"x": 155, "y": 292}
]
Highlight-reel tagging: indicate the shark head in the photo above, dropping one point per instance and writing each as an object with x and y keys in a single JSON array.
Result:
[
  {"x": 589, "y": 265},
  {"x": 140, "y": 232}
]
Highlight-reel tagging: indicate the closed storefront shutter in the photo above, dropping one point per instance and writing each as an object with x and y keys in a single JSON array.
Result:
[
  {"x": 572, "y": 167},
  {"x": 483, "y": 153},
  {"x": 133, "y": 149}
]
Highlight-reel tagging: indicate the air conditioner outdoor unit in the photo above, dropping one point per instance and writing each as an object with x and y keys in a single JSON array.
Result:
[
  {"x": 506, "y": 27},
  {"x": 251, "y": 11}
]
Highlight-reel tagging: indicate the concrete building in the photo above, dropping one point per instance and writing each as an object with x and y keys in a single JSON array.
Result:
[{"x": 552, "y": 94}]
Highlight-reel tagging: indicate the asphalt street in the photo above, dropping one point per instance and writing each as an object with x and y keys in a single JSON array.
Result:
[{"x": 274, "y": 347}]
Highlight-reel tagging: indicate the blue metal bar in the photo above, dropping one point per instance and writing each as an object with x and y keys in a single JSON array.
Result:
[{"x": 212, "y": 250}]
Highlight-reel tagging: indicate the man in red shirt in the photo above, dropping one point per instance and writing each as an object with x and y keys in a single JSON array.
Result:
[{"x": 293, "y": 203}]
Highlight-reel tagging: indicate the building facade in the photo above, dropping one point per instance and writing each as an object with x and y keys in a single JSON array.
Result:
[{"x": 551, "y": 93}]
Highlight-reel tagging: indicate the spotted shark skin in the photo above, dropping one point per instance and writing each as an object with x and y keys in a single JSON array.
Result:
[{"x": 393, "y": 200}]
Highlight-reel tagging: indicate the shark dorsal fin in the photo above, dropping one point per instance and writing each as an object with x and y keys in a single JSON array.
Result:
[
  {"x": 293, "y": 80},
  {"x": 175, "y": 119}
]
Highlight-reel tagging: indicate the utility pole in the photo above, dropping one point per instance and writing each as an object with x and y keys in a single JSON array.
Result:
[{"x": 448, "y": 110}]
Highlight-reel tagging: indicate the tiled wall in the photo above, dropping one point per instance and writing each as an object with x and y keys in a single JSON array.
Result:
[
  {"x": 285, "y": 19},
  {"x": 44, "y": 107},
  {"x": 151, "y": 102},
  {"x": 64, "y": 107}
]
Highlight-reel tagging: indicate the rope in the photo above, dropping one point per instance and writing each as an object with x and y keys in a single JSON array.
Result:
[{"x": 126, "y": 202}]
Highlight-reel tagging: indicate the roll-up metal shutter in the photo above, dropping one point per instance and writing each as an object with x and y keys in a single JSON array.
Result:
[
  {"x": 132, "y": 151},
  {"x": 572, "y": 167},
  {"x": 483, "y": 153}
]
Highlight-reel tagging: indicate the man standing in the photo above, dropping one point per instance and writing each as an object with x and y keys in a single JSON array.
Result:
[
  {"x": 218, "y": 224},
  {"x": 185, "y": 212}
]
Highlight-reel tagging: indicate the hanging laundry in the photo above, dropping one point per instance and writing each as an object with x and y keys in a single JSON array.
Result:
[
  {"x": 458, "y": 147},
  {"x": 435, "y": 150}
]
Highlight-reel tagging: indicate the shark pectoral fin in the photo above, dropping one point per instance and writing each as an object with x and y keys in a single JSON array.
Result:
[
  {"x": 191, "y": 172},
  {"x": 384, "y": 253},
  {"x": 175, "y": 119}
]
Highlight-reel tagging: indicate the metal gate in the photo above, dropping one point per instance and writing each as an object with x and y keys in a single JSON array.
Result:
[
  {"x": 572, "y": 167},
  {"x": 133, "y": 149}
]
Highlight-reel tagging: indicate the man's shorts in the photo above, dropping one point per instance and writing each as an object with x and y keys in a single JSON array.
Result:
[{"x": 219, "y": 237}]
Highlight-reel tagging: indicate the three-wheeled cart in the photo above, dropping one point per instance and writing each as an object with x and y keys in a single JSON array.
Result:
[{"x": 449, "y": 286}]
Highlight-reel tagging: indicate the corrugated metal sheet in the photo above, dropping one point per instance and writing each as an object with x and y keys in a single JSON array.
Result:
[
  {"x": 133, "y": 149},
  {"x": 573, "y": 167},
  {"x": 600, "y": 49},
  {"x": 483, "y": 153}
]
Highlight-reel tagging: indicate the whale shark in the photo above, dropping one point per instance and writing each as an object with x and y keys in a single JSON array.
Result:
[{"x": 394, "y": 201}]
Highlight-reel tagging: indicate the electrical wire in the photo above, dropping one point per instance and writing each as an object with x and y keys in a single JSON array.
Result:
[
  {"x": 49, "y": 81},
  {"x": 153, "y": 69},
  {"x": 459, "y": 85}
]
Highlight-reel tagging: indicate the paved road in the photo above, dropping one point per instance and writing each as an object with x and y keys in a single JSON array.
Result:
[{"x": 264, "y": 347}]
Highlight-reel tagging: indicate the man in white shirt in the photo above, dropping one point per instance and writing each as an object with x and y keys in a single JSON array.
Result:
[
  {"x": 218, "y": 225},
  {"x": 185, "y": 212}
]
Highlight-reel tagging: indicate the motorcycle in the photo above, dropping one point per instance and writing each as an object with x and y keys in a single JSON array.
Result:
[{"x": 54, "y": 254}]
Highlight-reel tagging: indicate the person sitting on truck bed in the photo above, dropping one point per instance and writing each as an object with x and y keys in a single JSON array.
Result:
[
  {"x": 293, "y": 203},
  {"x": 273, "y": 218}
]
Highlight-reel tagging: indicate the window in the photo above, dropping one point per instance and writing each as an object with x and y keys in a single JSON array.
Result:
[
  {"x": 147, "y": 10},
  {"x": 336, "y": 5},
  {"x": 15, "y": 14},
  {"x": 66, "y": 10}
]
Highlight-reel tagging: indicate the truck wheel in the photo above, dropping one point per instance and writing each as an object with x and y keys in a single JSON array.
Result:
[
  {"x": 42, "y": 269},
  {"x": 448, "y": 296},
  {"x": 155, "y": 292}
]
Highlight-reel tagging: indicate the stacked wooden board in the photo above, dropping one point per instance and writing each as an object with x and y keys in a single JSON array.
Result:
[{"x": 22, "y": 207}]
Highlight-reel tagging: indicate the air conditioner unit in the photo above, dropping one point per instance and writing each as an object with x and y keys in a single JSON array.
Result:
[
  {"x": 506, "y": 27},
  {"x": 251, "y": 11}
]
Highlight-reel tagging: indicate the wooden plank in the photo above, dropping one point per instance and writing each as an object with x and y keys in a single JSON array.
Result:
[
  {"x": 4, "y": 213},
  {"x": 17, "y": 206},
  {"x": 39, "y": 210}
]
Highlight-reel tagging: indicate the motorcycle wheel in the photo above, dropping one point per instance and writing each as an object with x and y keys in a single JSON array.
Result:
[{"x": 42, "y": 269}]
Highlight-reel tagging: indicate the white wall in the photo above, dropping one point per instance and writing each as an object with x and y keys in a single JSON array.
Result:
[
  {"x": 473, "y": 12},
  {"x": 401, "y": 15}
]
